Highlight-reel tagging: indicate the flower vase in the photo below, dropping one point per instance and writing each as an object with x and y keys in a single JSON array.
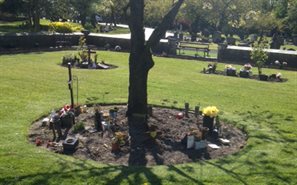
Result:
[{"x": 208, "y": 122}]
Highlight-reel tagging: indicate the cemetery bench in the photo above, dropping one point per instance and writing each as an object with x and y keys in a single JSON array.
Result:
[{"x": 197, "y": 46}]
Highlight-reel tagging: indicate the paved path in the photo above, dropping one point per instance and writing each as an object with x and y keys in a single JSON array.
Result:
[{"x": 148, "y": 32}]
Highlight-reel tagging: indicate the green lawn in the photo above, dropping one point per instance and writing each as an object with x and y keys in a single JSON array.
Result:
[
  {"x": 33, "y": 84},
  {"x": 19, "y": 26}
]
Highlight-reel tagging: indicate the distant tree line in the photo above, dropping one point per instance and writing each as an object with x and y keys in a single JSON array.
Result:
[{"x": 206, "y": 16}]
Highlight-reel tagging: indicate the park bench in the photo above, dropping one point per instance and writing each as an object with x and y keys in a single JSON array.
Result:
[{"x": 196, "y": 46}]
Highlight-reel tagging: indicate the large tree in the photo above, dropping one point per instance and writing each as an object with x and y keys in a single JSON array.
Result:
[
  {"x": 140, "y": 62},
  {"x": 83, "y": 9}
]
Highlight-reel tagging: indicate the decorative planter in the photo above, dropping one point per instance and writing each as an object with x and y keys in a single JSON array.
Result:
[
  {"x": 263, "y": 77},
  {"x": 231, "y": 72},
  {"x": 208, "y": 122},
  {"x": 70, "y": 144},
  {"x": 244, "y": 74}
]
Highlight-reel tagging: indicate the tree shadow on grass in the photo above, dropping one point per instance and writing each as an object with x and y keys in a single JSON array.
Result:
[
  {"x": 265, "y": 129},
  {"x": 63, "y": 171}
]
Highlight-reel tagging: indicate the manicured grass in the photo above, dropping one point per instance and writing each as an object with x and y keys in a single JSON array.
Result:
[
  {"x": 287, "y": 46},
  {"x": 193, "y": 53},
  {"x": 19, "y": 26},
  {"x": 33, "y": 84},
  {"x": 119, "y": 30}
]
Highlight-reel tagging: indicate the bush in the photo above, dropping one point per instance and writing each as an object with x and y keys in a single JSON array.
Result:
[
  {"x": 259, "y": 55},
  {"x": 63, "y": 27},
  {"x": 78, "y": 127},
  {"x": 72, "y": 59}
]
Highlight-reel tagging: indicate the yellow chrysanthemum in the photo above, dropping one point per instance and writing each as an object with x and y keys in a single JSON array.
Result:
[{"x": 210, "y": 111}]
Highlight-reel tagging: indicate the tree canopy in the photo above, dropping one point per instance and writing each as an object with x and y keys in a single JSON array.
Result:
[{"x": 227, "y": 16}]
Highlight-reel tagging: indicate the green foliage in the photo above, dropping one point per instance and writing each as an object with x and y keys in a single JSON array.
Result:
[
  {"x": 63, "y": 27},
  {"x": 281, "y": 9},
  {"x": 78, "y": 127},
  {"x": 292, "y": 17},
  {"x": 82, "y": 51},
  {"x": 69, "y": 58},
  {"x": 259, "y": 55},
  {"x": 82, "y": 42},
  {"x": 155, "y": 11}
]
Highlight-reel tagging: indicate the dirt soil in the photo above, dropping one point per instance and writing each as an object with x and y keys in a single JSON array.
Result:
[{"x": 166, "y": 149}]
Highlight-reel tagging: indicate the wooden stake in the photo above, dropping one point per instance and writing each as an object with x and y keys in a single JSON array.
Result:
[
  {"x": 187, "y": 109},
  {"x": 197, "y": 111}
]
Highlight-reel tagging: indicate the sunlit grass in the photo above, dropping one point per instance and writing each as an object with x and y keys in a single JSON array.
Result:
[{"x": 33, "y": 84}]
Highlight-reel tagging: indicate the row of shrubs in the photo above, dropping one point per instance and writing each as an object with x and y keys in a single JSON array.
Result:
[{"x": 63, "y": 27}]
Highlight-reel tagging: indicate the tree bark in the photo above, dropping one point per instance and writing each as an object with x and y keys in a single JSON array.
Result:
[{"x": 140, "y": 62}]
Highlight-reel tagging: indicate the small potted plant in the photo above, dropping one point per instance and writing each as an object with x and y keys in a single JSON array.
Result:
[
  {"x": 209, "y": 113},
  {"x": 259, "y": 56},
  {"x": 118, "y": 140}
]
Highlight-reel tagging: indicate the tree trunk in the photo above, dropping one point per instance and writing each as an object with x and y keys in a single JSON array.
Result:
[
  {"x": 35, "y": 14},
  {"x": 140, "y": 62},
  {"x": 83, "y": 19},
  {"x": 36, "y": 21}
]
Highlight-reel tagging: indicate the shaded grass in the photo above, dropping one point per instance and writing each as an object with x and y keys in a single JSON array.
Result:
[
  {"x": 20, "y": 26},
  {"x": 33, "y": 84}
]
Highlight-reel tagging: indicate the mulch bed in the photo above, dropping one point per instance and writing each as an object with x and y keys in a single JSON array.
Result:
[
  {"x": 166, "y": 149},
  {"x": 253, "y": 77},
  {"x": 99, "y": 66}
]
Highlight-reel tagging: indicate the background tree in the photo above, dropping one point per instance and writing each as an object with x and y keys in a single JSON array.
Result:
[
  {"x": 259, "y": 55},
  {"x": 59, "y": 9},
  {"x": 112, "y": 10},
  {"x": 83, "y": 9},
  {"x": 11, "y": 6},
  {"x": 292, "y": 17},
  {"x": 140, "y": 62},
  {"x": 155, "y": 10}
]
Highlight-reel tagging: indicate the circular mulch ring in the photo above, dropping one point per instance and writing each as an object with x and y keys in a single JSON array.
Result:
[{"x": 166, "y": 149}]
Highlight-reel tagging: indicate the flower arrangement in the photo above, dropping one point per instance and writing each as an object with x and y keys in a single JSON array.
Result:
[
  {"x": 211, "y": 111},
  {"x": 278, "y": 75},
  {"x": 229, "y": 67},
  {"x": 119, "y": 138},
  {"x": 247, "y": 67},
  {"x": 230, "y": 70}
]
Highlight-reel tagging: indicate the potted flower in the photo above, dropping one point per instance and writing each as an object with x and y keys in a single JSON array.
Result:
[
  {"x": 259, "y": 56},
  {"x": 230, "y": 70},
  {"x": 118, "y": 140},
  {"x": 209, "y": 113}
]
